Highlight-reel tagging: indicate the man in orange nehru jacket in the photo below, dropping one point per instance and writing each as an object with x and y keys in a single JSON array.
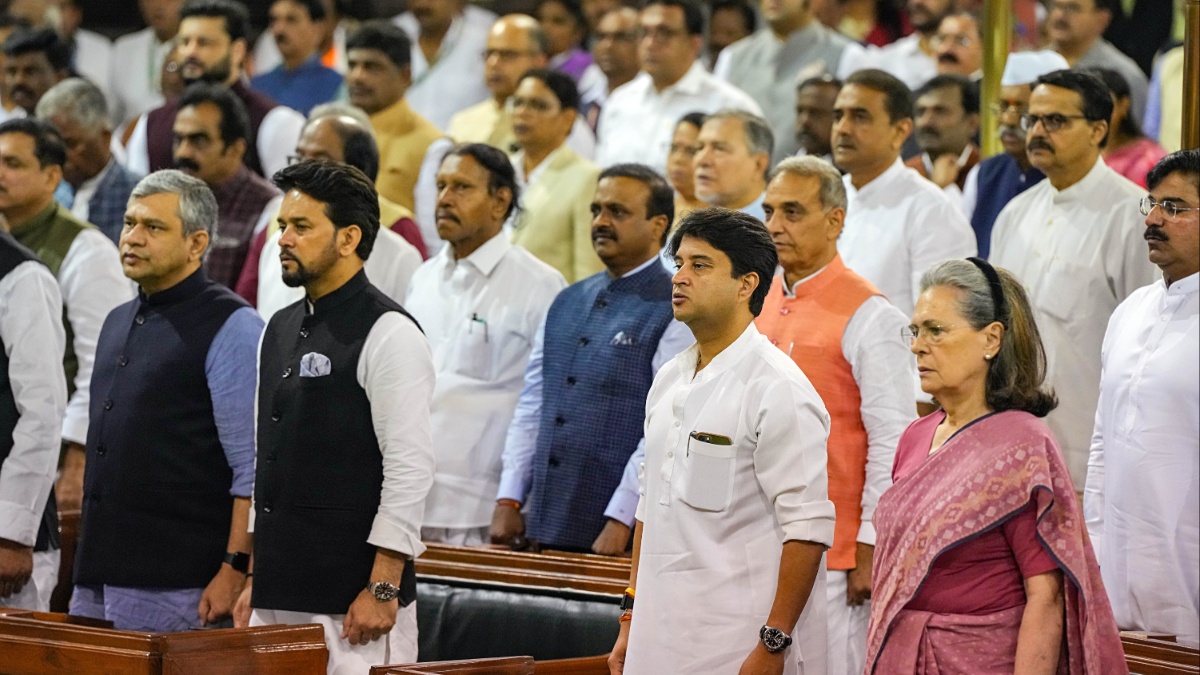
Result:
[{"x": 845, "y": 336}]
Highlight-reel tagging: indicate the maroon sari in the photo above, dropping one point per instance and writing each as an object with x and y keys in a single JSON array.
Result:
[{"x": 985, "y": 474}]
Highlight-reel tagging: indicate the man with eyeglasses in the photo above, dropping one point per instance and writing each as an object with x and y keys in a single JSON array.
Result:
[
  {"x": 1144, "y": 471},
  {"x": 959, "y": 46},
  {"x": 913, "y": 58},
  {"x": 1008, "y": 174},
  {"x": 793, "y": 44},
  {"x": 1074, "y": 243},
  {"x": 516, "y": 44},
  {"x": 1075, "y": 28},
  {"x": 638, "y": 121}
]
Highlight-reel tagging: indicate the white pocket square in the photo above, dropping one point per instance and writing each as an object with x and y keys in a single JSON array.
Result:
[{"x": 313, "y": 364}]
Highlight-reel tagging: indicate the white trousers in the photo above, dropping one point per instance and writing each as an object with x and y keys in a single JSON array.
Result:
[
  {"x": 398, "y": 646},
  {"x": 37, "y": 591},
  {"x": 457, "y": 536},
  {"x": 847, "y": 652}
]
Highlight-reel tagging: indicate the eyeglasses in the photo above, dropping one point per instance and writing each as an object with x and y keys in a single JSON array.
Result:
[
  {"x": 960, "y": 40},
  {"x": 932, "y": 334},
  {"x": 1169, "y": 209},
  {"x": 505, "y": 54},
  {"x": 1004, "y": 107},
  {"x": 1051, "y": 123}
]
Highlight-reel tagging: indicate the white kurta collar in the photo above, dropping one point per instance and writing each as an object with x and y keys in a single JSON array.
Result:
[
  {"x": 721, "y": 362},
  {"x": 1083, "y": 189},
  {"x": 1184, "y": 286},
  {"x": 881, "y": 182},
  {"x": 485, "y": 258}
]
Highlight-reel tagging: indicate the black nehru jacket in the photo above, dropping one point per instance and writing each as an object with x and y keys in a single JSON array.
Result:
[
  {"x": 156, "y": 501},
  {"x": 13, "y": 254},
  {"x": 319, "y": 472}
]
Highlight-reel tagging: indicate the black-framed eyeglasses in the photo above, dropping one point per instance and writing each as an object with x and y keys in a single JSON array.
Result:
[
  {"x": 1169, "y": 209},
  {"x": 1051, "y": 123}
]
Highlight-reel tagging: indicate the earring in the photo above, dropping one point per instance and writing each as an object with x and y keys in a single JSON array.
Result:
[{"x": 987, "y": 357}]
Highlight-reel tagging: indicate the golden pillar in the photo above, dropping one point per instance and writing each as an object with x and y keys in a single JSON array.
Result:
[
  {"x": 997, "y": 35},
  {"x": 1191, "y": 75}
]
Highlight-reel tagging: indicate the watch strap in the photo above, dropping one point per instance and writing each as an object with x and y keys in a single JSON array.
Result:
[{"x": 238, "y": 561}]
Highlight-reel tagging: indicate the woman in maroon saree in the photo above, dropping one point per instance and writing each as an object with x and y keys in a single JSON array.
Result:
[{"x": 983, "y": 564}]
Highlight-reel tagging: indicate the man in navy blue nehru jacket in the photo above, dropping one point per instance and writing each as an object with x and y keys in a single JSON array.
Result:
[
  {"x": 579, "y": 418},
  {"x": 345, "y": 457},
  {"x": 170, "y": 448},
  {"x": 33, "y": 396}
]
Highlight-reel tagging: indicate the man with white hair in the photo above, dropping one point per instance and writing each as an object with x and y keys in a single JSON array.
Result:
[
  {"x": 77, "y": 108},
  {"x": 733, "y": 153}
]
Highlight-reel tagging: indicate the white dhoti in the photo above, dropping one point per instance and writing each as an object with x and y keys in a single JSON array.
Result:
[
  {"x": 398, "y": 646},
  {"x": 37, "y": 591},
  {"x": 847, "y": 652}
]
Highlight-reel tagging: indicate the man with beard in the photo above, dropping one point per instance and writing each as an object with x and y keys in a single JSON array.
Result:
[
  {"x": 947, "y": 118},
  {"x": 793, "y": 46},
  {"x": 212, "y": 48},
  {"x": 913, "y": 58},
  {"x": 1008, "y": 174},
  {"x": 36, "y": 60},
  {"x": 1074, "y": 242},
  {"x": 814, "y": 115},
  {"x": 211, "y": 134},
  {"x": 445, "y": 37},
  {"x": 170, "y": 453},
  {"x": 959, "y": 46},
  {"x": 591, "y": 367},
  {"x": 481, "y": 302},
  {"x": 344, "y": 453}
]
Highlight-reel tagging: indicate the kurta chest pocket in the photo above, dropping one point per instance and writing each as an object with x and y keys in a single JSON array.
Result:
[
  {"x": 471, "y": 351},
  {"x": 708, "y": 477}
]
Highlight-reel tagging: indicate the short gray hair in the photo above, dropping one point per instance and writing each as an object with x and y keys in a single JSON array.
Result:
[
  {"x": 759, "y": 137},
  {"x": 197, "y": 205},
  {"x": 339, "y": 110},
  {"x": 833, "y": 191},
  {"x": 78, "y": 100}
]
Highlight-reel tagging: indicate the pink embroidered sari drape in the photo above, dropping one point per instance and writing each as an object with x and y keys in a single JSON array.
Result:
[{"x": 982, "y": 476}]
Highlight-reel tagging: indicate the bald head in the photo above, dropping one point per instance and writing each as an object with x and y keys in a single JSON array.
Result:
[
  {"x": 515, "y": 44},
  {"x": 340, "y": 136}
]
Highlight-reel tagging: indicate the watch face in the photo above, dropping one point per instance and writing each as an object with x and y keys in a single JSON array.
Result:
[
  {"x": 774, "y": 639},
  {"x": 383, "y": 591}
]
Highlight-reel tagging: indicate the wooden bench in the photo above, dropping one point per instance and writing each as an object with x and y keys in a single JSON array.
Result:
[
  {"x": 593, "y": 573},
  {"x": 1148, "y": 655},
  {"x": 514, "y": 665},
  {"x": 33, "y": 643}
]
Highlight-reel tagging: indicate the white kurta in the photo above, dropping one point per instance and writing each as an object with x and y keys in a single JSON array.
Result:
[
  {"x": 898, "y": 226},
  {"x": 715, "y": 517},
  {"x": 135, "y": 71},
  {"x": 454, "y": 80},
  {"x": 902, "y": 58},
  {"x": 481, "y": 315},
  {"x": 1142, "y": 500},
  {"x": 1079, "y": 252}
]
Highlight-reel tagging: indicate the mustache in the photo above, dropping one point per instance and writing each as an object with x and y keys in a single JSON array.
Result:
[
  {"x": 20, "y": 89},
  {"x": 948, "y": 57},
  {"x": 1155, "y": 234},
  {"x": 1039, "y": 144},
  {"x": 185, "y": 164},
  {"x": 604, "y": 231},
  {"x": 443, "y": 213},
  {"x": 927, "y": 132}
]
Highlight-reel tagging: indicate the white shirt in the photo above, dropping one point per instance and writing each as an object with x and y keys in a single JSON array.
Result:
[
  {"x": 80, "y": 208},
  {"x": 92, "y": 284},
  {"x": 455, "y": 80},
  {"x": 715, "y": 516},
  {"x": 521, "y": 441},
  {"x": 1142, "y": 500},
  {"x": 33, "y": 336},
  {"x": 1079, "y": 252},
  {"x": 886, "y": 374},
  {"x": 897, "y": 226},
  {"x": 902, "y": 58},
  {"x": 137, "y": 61},
  {"x": 396, "y": 372},
  {"x": 93, "y": 59},
  {"x": 481, "y": 315},
  {"x": 389, "y": 268},
  {"x": 637, "y": 122},
  {"x": 275, "y": 140}
]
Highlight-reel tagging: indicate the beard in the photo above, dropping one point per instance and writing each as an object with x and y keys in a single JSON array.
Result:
[
  {"x": 217, "y": 73},
  {"x": 306, "y": 274}
]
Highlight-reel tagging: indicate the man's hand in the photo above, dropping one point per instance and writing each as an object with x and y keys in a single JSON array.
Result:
[
  {"x": 858, "y": 583},
  {"x": 69, "y": 488},
  {"x": 945, "y": 170},
  {"x": 613, "y": 539},
  {"x": 222, "y": 592},
  {"x": 369, "y": 619},
  {"x": 762, "y": 662},
  {"x": 16, "y": 567},
  {"x": 241, "y": 609},
  {"x": 508, "y": 527},
  {"x": 616, "y": 659}
]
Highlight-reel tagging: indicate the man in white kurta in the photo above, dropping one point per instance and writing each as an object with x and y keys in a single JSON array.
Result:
[
  {"x": 734, "y": 485},
  {"x": 480, "y": 301},
  {"x": 1074, "y": 242},
  {"x": 453, "y": 79},
  {"x": 1142, "y": 500}
]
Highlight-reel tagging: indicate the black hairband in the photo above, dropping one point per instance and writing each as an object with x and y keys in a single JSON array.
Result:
[{"x": 998, "y": 302}]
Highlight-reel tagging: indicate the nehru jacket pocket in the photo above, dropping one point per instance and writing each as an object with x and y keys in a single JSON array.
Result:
[{"x": 708, "y": 474}]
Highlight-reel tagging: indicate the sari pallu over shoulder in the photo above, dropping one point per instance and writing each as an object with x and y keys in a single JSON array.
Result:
[{"x": 984, "y": 475}]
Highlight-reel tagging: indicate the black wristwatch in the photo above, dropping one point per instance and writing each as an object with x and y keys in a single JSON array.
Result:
[
  {"x": 774, "y": 639},
  {"x": 626, "y": 602},
  {"x": 238, "y": 561},
  {"x": 383, "y": 591}
]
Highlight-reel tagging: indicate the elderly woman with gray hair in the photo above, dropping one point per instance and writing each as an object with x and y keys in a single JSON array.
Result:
[{"x": 982, "y": 564}]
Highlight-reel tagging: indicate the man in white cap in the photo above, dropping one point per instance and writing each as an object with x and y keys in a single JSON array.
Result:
[{"x": 1009, "y": 173}]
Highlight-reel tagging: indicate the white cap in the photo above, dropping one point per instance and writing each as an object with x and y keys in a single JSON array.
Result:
[{"x": 1027, "y": 67}]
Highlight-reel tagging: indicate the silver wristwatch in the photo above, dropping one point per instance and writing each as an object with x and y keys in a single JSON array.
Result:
[
  {"x": 383, "y": 591},
  {"x": 774, "y": 639}
]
